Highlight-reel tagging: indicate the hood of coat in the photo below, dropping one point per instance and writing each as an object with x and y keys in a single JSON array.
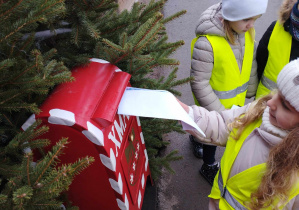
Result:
[
  {"x": 210, "y": 22},
  {"x": 270, "y": 138}
]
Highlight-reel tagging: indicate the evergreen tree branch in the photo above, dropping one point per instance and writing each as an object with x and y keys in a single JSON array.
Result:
[
  {"x": 28, "y": 42},
  {"x": 174, "y": 16},
  {"x": 21, "y": 27},
  {"x": 114, "y": 46},
  {"x": 49, "y": 7},
  {"x": 8, "y": 12},
  {"x": 22, "y": 73},
  {"x": 56, "y": 151},
  {"x": 29, "y": 161},
  {"x": 151, "y": 8},
  {"x": 9, "y": 171},
  {"x": 3, "y": 199},
  {"x": 146, "y": 32}
]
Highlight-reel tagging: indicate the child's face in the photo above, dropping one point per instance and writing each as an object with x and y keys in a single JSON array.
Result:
[
  {"x": 282, "y": 114},
  {"x": 241, "y": 26}
]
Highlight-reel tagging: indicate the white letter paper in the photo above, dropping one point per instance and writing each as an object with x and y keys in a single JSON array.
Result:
[{"x": 155, "y": 104}]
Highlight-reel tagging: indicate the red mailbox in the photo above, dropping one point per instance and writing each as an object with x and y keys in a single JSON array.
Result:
[{"x": 85, "y": 111}]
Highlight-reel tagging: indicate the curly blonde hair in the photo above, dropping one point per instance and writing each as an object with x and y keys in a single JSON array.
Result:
[
  {"x": 255, "y": 111},
  {"x": 281, "y": 174},
  {"x": 282, "y": 166}
]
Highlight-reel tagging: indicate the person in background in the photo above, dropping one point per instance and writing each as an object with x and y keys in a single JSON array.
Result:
[
  {"x": 278, "y": 46},
  {"x": 260, "y": 165},
  {"x": 223, "y": 64}
]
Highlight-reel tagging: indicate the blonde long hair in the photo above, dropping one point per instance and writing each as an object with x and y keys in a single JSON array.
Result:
[
  {"x": 282, "y": 166},
  {"x": 230, "y": 34}
]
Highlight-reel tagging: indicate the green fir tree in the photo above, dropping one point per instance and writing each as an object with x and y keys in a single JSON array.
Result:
[{"x": 40, "y": 42}]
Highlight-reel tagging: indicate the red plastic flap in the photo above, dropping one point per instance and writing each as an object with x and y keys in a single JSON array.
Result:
[
  {"x": 94, "y": 94},
  {"x": 105, "y": 112}
]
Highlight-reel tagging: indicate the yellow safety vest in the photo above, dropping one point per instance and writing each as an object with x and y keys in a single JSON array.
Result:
[
  {"x": 233, "y": 192},
  {"x": 279, "y": 49},
  {"x": 227, "y": 82}
]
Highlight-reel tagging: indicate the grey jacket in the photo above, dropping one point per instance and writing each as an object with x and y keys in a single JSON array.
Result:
[
  {"x": 203, "y": 60},
  {"x": 255, "y": 149}
]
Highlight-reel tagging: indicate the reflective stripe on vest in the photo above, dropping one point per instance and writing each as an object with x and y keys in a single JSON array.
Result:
[
  {"x": 269, "y": 84},
  {"x": 227, "y": 82},
  {"x": 231, "y": 93},
  {"x": 227, "y": 195},
  {"x": 279, "y": 49}
]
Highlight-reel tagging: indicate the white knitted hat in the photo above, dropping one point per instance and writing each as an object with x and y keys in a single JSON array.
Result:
[
  {"x": 288, "y": 83},
  {"x": 234, "y": 10}
]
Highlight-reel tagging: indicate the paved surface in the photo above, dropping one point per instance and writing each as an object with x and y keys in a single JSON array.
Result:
[{"x": 187, "y": 189}]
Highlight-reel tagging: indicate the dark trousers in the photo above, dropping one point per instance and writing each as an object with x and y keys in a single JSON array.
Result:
[{"x": 209, "y": 154}]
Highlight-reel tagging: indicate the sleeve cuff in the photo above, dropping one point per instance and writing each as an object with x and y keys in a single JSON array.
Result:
[{"x": 190, "y": 113}]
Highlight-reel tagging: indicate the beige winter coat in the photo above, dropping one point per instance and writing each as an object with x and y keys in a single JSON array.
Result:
[
  {"x": 203, "y": 60},
  {"x": 255, "y": 149}
]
